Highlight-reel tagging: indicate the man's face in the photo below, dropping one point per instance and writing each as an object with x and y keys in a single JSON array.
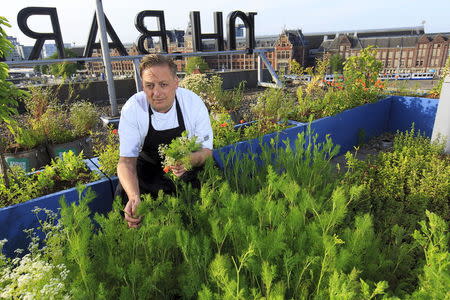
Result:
[{"x": 159, "y": 86}]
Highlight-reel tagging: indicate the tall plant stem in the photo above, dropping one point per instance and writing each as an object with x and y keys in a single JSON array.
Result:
[{"x": 4, "y": 167}]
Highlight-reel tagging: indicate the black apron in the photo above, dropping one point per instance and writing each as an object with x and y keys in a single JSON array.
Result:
[{"x": 149, "y": 167}]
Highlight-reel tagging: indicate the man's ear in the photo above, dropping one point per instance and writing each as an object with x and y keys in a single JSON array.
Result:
[{"x": 177, "y": 81}]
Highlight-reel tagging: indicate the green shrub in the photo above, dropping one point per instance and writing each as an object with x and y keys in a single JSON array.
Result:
[
  {"x": 83, "y": 117},
  {"x": 54, "y": 123},
  {"x": 61, "y": 174},
  {"x": 106, "y": 148},
  {"x": 275, "y": 104}
]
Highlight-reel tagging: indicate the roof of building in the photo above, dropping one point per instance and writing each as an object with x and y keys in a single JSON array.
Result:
[
  {"x": 358, "y": 42},
  {"x": 374, "y": 32}
]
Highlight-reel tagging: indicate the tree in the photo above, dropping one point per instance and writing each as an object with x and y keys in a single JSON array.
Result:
[
  {"x": 196, "y": 63},
  {"x": 8, "y": 92},
  {"x": 295, "y": 67},
  {"x": 336, "y": 63},
  {"x": 363, "y": 68},
  {"x": 63, "y": 70}
]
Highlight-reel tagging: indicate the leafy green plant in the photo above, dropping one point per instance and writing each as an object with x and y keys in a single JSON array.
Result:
[
  {"x": 277, "y": 225},
  {"x": 433, "y": 237},
  {"x": 83, "y": 117},
  {"x": 209, "y": 89},
  {"x": 61, "y": 174},
  {"x": 226, "y": 133},
  {"x": 231, "y": 100},
  {"x": 195, "y": 63},
  {"x": 39, "y": 100},
  {"x": 336, "y": 63},
  {"x": 106, "y": 148},
  {"x": 275, "y": 104},
  {"x": 54, "y": 123},
  {"x": 25, "y": 138},
  {"x": 178, "y": 151},
  {"x": 9, "y": 94},
  {"x": 436, "y": 90}
]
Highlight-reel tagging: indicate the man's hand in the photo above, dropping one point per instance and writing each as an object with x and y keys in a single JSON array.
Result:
[
  {"x": 178, "y": 170},
  {"x": 130, "y": 211}
]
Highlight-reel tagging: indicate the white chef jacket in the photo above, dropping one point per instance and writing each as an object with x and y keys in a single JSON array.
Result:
[{"x": 134, "y": 117}]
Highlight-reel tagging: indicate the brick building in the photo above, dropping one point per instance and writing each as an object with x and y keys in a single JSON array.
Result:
[
  {"x": 402, "y": 50},
  {"x": 407, "y": 51}
]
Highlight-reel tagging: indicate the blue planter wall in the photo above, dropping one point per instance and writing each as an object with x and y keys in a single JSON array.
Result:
[
  {"x": 408, "y": 110},
  {"x": 354, "y": 126},
  {"x": 254, "y": 146},
  {"x": 14, "y": 219}
]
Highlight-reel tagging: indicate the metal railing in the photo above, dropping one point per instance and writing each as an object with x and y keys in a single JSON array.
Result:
[{"x": 262, "y": 59}]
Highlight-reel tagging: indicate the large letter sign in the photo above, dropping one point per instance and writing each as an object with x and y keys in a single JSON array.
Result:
[
  {"x": 139, "y": 24},
  {"x": 197, "y": 35},
  {"x": 22, "y": 18}
]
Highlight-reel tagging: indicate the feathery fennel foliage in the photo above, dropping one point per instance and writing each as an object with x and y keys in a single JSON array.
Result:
[{"x": 276, "y": 230}]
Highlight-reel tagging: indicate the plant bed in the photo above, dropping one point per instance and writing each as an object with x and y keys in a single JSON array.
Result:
[
  {"x": 252, "y": 233},
  {"x": 354, "y": 126},
  {"x": 248, "y": 137},
  {"x": 19, "y": 216}
]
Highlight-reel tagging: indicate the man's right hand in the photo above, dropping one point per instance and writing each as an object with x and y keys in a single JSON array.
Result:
[{"x": 130, "y": 211}]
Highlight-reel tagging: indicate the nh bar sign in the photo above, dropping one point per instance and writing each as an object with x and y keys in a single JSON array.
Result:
[{"x": 145, "y": 33}]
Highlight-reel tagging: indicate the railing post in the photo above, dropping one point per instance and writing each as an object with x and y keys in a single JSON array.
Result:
[
  {"x": 137, "y": 75},
  {"x": 106, "y": 58},
  {"x": 262, "y": 58}
]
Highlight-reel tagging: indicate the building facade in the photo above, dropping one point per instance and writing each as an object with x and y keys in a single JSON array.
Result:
[{"x": 402, "y": 50}]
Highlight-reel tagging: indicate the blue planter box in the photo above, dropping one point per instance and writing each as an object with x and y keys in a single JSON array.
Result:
[
  {"x": 407, "y": 110},
  {"x": 113, "y": 180},
  {"x": 15, "y": 218},
  {"x": 351, "y": 127},
  {"x": 254, "y": 146}
]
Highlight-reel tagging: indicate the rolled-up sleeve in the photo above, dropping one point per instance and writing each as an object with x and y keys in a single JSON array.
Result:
[{"x": 130, "y": 140}]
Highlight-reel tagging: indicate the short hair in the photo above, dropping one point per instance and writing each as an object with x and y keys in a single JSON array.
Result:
[{"x": 151, "y": 60}]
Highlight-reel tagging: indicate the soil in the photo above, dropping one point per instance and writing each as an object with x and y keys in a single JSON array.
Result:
[{"x": 383, "y": 142}]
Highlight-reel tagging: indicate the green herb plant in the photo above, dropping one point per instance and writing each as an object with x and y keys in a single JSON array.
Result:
[
  {"x": 62, "y": 173},
  {"x": 106, "y": 148},
  {"x": 178, "y": 151}
]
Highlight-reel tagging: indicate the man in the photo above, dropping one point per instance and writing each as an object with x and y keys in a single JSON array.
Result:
[{"x": 157, "y": 115}]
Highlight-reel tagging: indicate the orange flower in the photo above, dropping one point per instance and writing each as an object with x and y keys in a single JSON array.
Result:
[
  {"x": 37, "y": 173},
  {"x": 242, "y": 121},
  {"x": 115, "y": 131},
  {"x": 224, "y": 124},
  {"x": 166, "y": 169}
]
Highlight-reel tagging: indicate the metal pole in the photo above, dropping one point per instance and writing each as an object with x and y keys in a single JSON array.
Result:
[
  {"x": 137, "y": 76},
  {"x": 106, "y": 58},
  {"x": 263, "y": 59}
]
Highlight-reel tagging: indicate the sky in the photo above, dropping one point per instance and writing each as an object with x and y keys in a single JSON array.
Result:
[{"x": 75, "y": 16}]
